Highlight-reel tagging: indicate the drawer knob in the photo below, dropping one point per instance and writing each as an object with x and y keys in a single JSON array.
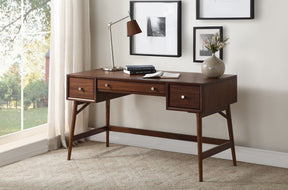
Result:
[
  {"x": 152, "y": 88},
  {"x": 106, "y": 85},
  {"x": 183, "y": 97},
  {"x": 80, "y": 89}
]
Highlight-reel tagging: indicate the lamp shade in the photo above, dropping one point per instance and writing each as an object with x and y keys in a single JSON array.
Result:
[{"x": 133, "y": 28}]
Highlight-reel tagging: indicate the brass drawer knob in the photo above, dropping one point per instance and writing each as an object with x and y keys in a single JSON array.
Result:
[
  {"x": 152, "y": 88},
  {"x": 80, "y": 89},
  {"x": 182, "y": 97},
  {"x": 106, "y": 85}
]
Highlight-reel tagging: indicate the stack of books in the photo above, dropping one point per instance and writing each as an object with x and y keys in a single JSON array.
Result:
[{"x": 139, "y": 69}]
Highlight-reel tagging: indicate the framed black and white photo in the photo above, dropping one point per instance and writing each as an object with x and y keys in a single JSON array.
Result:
[
  {"x": 200, "y": 52},
  {"x": 160, "y": 22},
  {"x": 224, "y": 9}
]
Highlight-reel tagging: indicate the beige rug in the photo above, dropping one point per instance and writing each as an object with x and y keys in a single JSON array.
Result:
[{"x": 93, "y": 166}]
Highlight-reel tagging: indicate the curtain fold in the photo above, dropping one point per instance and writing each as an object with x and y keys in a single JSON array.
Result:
[{"x": 70, "y": 52}]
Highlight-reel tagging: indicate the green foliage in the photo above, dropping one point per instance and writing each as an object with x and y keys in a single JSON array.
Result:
[
  {"x": 10, "y": 86},
  {"x": 36, "y": 18},
  {"x": 36, "y": 92},
  {"x": 10, "y": 17},
  {"x": 25, "y": 46},
  {"x": 34, "y": 52},
  {"x": 3, "y": 89},
  {"x": 27, "y": 103}
]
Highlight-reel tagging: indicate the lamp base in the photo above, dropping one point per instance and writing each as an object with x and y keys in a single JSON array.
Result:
[{"x": 113, "y": 68}]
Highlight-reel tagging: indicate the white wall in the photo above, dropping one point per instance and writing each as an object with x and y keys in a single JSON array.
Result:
[{"x": 257, "y": 53}]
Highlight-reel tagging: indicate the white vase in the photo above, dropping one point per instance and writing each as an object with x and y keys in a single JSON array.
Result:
[{"x": 213, "y": 67}]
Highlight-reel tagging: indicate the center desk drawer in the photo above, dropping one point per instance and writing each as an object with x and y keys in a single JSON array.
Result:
[
  {"x": 131, "y": 87},
  {"x": 181, "y": 96}
]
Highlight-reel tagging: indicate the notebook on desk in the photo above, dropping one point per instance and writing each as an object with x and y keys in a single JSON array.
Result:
[{"x": 163, "y": 75}]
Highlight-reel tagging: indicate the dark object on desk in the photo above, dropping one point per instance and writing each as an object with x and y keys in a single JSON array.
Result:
[
  {"x": 192, "y": 92},
  {"x": 138, "y": 72},
  {"x": 140, "y": 68}
]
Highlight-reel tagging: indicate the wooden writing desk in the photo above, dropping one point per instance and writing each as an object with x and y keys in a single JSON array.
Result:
[{"x": 192, "y": 92}]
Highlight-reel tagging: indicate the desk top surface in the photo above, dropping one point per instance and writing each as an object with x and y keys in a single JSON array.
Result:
[{"x": 185, "y": 77}]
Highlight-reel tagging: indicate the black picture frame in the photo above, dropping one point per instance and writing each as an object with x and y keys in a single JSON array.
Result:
[
  {"x": 200, "y": 53},
  {"x": 162, "y": 38},
  {"x": 225, "y": 10}
]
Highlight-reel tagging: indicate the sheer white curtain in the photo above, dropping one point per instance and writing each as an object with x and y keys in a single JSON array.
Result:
[{"x": 70, "y": 52}]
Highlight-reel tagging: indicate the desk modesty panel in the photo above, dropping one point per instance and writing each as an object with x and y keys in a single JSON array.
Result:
[{"x": 192, "y": 92}]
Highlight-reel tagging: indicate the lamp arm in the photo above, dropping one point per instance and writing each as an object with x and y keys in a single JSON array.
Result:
[
  {"x": 111, "y": 45},
  {"x": 112, "y": 23},
  {"x": 111, "y": 41},
  {"x": 110, "y": 37}
]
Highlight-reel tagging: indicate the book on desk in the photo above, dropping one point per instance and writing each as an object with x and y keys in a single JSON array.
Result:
[
  {"x": 149, "y": 71},
  {"x": 139, "y": 69},
  {"x": 139, "y": 72}
]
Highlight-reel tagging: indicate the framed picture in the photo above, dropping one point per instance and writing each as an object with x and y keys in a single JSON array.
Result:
[
  {"x": 200, "y": 52},
  {"x": 160, "y": 22},
  {"x": 224, "y": 9}
]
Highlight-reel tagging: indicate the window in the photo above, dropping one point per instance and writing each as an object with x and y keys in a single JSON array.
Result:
[{"x": 24, "y": 64}]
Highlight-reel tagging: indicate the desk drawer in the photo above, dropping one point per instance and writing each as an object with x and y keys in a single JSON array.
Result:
[
  {"x": 131, "y": 87},
  {"x": 81, "y": 88},
  {"x": 181, "y": 96}
]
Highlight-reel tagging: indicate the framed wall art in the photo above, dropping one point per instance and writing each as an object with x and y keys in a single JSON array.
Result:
[
  {"x": 200, "y": 52},
  {"x": 224, "y": 9},
  {"x": 160, "y": 22}
]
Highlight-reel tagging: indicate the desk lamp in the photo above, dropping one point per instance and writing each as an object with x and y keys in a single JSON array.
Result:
[{"x": 132, "y": 29}]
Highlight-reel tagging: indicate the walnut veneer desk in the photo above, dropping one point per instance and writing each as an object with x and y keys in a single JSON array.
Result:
[{"x": 192, "y": 92}]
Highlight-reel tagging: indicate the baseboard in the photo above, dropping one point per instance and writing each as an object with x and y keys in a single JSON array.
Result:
[
  {"x": 243, "y": 154},
  {"x": 23, "y": 152}
]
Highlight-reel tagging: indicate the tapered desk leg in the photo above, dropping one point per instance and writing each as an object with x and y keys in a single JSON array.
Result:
[
  {"x": 72, "y": 129},
  {"x": 230, "y": 130},
  {"x": 107, "y": 121},
  {"x": 199, "y": 142}
]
